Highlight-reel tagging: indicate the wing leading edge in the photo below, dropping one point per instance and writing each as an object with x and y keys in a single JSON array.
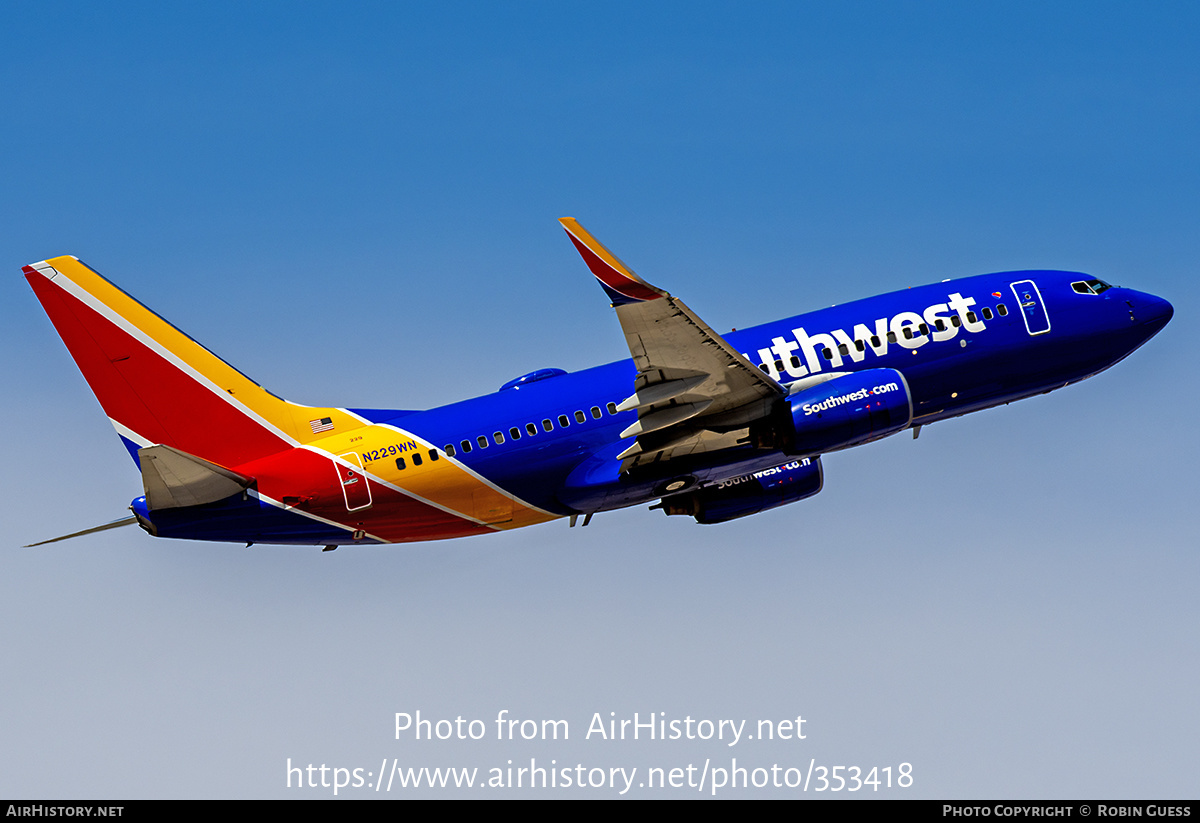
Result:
[{"x": 693, "y": 391}]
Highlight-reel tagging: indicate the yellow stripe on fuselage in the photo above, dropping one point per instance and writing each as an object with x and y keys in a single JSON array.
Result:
[{"x": 443, "y": 482}]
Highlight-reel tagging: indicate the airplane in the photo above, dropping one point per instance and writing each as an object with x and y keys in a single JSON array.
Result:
[{"x": 716, "y": 427}]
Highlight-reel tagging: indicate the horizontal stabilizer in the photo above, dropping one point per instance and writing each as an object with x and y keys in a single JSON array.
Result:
[
  {"x": 124, "y": 521},
  {"x": 174, "y": 479}
]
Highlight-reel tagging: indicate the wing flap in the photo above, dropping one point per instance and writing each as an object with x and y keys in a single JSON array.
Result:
[
  {"x": 658, "y": 419},
  {"x": 661, "y": 392}
]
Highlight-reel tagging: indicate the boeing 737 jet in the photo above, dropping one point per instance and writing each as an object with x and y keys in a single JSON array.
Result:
[{"x": 712, "y": 426}]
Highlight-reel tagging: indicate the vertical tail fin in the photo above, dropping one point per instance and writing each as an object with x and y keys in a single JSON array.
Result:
[{"x": 159, "y": 386}]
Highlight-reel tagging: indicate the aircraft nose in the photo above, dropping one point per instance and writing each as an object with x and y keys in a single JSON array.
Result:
[{"x": 1153, "y": 312}]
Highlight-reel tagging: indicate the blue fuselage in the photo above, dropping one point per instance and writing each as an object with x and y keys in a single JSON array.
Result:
[{"x": 962, "y": 345}]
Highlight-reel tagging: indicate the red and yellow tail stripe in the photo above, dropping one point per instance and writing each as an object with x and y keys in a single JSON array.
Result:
[{"x": 158, "y": 385}]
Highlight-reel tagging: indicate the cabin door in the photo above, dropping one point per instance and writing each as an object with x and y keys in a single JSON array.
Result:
[
  {"x": 354, "y": 482},
  {"x": 1032, "y": 307}
]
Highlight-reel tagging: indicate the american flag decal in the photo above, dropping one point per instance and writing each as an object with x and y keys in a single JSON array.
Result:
[{"x": 322, "y": 425}]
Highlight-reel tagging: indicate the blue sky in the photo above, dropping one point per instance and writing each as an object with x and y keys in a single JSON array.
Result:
[{"x": 357, "y": 207}]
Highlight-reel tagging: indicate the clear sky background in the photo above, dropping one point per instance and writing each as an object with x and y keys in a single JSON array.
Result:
[{"x": 355, "y": 205}]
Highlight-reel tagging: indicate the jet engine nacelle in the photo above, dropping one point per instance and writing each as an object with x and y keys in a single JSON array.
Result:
[
  {"x": 848, "y": 410},
  {"x": 749, "y": 494}
]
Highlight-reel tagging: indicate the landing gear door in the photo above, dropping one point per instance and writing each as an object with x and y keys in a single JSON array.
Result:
[
  {"x": 1033, "y": 309},
  {"x": 354, "y": 483}
]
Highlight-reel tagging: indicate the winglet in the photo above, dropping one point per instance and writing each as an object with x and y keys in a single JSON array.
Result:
[{"x": 617, "y": 279}]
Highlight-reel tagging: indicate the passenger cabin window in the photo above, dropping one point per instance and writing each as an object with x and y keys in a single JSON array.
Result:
[
  {"x": 531, "y": 428},
  {"x": 987, "y": 314},
  {"x": 400, "y": 463},
  {"x": 482, "y": 441},
  {"x": 433, "y": 455},
  {"x": 466, "y": 446},
  {"x": 416, "y": 459},
  {"x": 1002, "y": 310},
  {"x": 449, "y": 449},
  {"x": 514, "y": 433},
  {"x": 563, "y": 421},
  {"x": 595, "y": 412},
  {"x": 498, "y": 437},
  {"x": 971, "y": 318},
  {"x": 580, "y": 417},
  {"x": 956, "y": 321},
  {"x": 612, "y": 408},
  {"x": 547, "y": 425}
]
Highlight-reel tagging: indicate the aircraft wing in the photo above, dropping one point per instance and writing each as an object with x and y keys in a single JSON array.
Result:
[{"x": 693, "y": 392}]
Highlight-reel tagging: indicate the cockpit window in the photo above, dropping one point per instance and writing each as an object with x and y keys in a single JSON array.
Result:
[{"x": 1090, "y": 286}]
